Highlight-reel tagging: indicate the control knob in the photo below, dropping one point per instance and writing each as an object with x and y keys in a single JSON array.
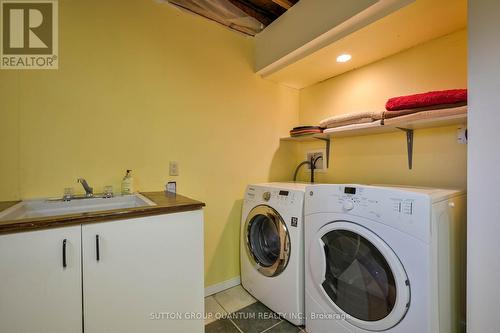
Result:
[{"x": 348, "y": 205}]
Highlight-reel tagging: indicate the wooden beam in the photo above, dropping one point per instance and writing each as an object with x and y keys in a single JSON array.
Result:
[
  {"x": 258, "y": 13},
  {"x": 284, "y": 3}
]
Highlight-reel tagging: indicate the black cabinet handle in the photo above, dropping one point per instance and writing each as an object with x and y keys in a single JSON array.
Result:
[
  {"x": 97, "y": 255},
  {"x": 64, "y": 253}
]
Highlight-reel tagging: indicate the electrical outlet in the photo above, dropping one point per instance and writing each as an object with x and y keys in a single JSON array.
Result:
[
  {"x": 462, "y": 135},
  {"x": 320, "y": 156},
  {"x": 173, "y": 168}
]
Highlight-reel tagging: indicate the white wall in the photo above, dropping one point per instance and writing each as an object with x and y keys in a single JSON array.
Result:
[{"x": 484, "y": 168}]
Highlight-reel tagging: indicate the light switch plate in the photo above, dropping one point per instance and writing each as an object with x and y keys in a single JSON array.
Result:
[{"x": 173, "y": 168}]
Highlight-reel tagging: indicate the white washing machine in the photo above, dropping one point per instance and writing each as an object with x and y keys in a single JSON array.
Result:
[
  {"x": 386, "y": 259},
  {"x": 272, "y": 247}
]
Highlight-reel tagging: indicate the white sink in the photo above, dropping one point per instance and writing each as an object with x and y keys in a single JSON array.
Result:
[{"x": 49, "y": 207}]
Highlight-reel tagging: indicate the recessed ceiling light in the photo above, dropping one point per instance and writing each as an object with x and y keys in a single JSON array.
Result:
[{"x": 344, "y": 57}]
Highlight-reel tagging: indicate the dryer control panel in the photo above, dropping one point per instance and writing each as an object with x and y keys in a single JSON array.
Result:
[
  {"x": 357, "y": 197},
  {"x": 406, "y": 211}
]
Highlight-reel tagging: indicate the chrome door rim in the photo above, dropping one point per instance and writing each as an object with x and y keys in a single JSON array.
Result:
[{"x": 280, "y": 264}]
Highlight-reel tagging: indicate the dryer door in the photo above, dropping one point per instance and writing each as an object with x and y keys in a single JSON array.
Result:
[
  {"x": 267, "y": 240},
  {"x": 359, "y": 275}
]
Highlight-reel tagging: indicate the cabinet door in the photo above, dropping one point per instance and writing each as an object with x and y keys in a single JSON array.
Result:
[
  {"x": 37, "y": 293},
  {"x": 144, "y": 274}
]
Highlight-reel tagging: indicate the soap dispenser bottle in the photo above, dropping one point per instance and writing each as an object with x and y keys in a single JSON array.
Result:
[{"x": 128, "y": 183}]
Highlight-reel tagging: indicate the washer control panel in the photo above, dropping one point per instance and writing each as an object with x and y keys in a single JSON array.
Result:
[
  {"x": 288, "y": 202},
  {"x": 273, "y": 196}
]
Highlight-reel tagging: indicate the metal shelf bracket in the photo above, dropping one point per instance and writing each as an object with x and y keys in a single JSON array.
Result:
[
  {"x": 409, "y": 145},
  {"x": 327, "y": 149}
]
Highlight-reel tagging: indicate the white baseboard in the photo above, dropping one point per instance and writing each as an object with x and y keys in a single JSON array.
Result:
[{"x": 217, "y": 288}]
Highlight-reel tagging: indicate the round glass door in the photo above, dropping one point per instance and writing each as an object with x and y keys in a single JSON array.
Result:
[
  {"x": 362, "y": 277},
  {"x": 267, "y": 241}
]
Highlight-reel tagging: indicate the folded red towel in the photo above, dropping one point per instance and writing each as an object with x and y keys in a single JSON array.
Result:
[{"x": 430, "y": 98}]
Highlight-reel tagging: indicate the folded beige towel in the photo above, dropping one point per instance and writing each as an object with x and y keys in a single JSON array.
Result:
[
  {"x": 430, "y": 114},
  {"x": 351, "y": 118}
]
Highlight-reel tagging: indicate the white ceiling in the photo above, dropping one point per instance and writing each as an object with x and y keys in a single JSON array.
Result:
[{"x": 414, "y": 24}]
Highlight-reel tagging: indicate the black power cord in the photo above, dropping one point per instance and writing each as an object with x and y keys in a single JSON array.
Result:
[{"x": 311, "y": 163}]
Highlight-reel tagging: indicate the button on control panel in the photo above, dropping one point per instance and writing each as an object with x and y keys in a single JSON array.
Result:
[
  {"x": 403, "y": 206},
  {"x": 408, "y": 207},
  {"x": 397, "y": 205}
]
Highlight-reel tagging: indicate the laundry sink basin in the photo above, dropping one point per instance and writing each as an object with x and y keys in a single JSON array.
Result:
[{"x": 55, "y": 207}]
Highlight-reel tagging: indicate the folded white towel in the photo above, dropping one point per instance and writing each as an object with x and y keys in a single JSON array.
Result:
[{"x": 351, "y": 118}]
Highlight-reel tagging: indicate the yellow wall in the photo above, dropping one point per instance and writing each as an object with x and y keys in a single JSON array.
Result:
[
  {"x": 141, "y": 84},
  {"x": 438, "y": 159}
]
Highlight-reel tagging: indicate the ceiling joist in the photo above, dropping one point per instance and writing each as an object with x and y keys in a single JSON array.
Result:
[
  {"x": 284, "y": 3},
  {"x": 259, "y": 13},
  {"x": 247, "y": 16}
]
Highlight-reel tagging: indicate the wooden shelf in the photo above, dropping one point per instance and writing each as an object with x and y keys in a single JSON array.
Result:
[
  {"x": 408, "y": 123},
  {"x": 303, "y": 138}
]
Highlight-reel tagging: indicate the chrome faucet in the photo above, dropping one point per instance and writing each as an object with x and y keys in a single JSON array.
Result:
[{"x": 89, "y": 191}]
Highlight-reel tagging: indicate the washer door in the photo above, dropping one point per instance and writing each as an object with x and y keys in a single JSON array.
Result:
[
  {"x": 267, "y": 240},
  {"x": 359, "y": 276}
]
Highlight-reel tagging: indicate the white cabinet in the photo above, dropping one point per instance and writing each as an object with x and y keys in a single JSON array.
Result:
[
  {"x": 37, "y": 293},
  {"x": 138, "y": 275},
  {"x": 149, "y": 269}
]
